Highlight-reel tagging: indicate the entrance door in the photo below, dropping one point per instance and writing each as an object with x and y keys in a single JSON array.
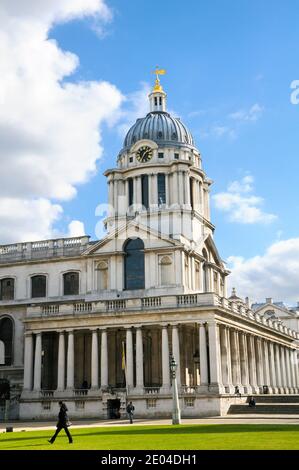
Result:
[{"x": 113, "y": 409}]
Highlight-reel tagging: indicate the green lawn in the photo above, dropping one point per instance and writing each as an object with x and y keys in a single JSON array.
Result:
[{"x": 222, "y": 436}]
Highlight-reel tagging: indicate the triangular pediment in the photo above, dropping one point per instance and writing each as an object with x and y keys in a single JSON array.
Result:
[
  {"x": 114, "y": 241},
  {"x": 210, "y": 246}
]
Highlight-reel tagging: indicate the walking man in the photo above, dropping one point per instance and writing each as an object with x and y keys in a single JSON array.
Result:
[
  {"x": 63, "y": 423},
  {"x": 130, "y": 411}
]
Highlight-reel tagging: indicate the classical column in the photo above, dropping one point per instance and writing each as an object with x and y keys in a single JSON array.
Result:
[
  {"x": 37, "y": 362},
  {"x": 288, "y": 370},
  {"x": 115, "y": 198},
  {"x": 139, "y": 360},
  {"x": 293, "y": 370},
  {"x": 215, "y": 362},
  {"x": 278, "y": 368},
  {"x": 266, "y": 365},
  {"x": 28, "y": 361},
  {"x": 104, "y": 360},
  {"x": 252, "y": 364},
  {"x": 176, "y": 352},
  {"x": 244, "y": 363},
  {"x": 226, "y": 366},
  {"x": 70, "y": 361},
  {"x": 95, "y": 360},
  {"x": 260, "y": 368},
  {"x": 236, "y": 366},
  {"x": 283, "y": 370},
  {"x": 129, "y": 358},
  {"x": 187, "y": 188},
  {"x": 138, "y": 191},
  {"x": 273, "y": 380},
  {"x": 181, "y": 188},
  {"x": 296, "y": 369},
  {"x": 165, "y": 360},
  {"x": 203, "y": 357},
  {"x": 61, "y": 362},
  {"x": 150, "y": 190}
]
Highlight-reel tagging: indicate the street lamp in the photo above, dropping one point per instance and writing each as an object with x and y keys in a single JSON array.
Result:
[{"x": 176, "y": 412}]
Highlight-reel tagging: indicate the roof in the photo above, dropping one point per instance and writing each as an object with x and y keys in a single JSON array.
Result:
[{"x": 160, "y": 127}]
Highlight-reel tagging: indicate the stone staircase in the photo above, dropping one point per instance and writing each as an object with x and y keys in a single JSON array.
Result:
[{"x": 268, "y": 405}]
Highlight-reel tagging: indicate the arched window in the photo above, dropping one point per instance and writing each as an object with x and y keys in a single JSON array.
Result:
[
  {"x": 38, "y": 286},
  {"x": 102, "y": 269},
  {"x": 6, "y": 337},
  {"x": 7, "y": 288},
  {"x": 71, "y": 283},
  {"x": 166, "y": 270},
  {"x": 134, "y": 264}
]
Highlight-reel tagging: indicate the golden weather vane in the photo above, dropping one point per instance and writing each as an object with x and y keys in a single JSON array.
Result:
[{"x": 158, "y": 72}]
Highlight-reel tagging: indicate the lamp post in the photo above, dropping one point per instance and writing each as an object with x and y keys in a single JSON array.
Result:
[{"x": 176, "y": 412}]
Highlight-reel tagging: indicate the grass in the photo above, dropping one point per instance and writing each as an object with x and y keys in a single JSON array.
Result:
[{"x": 212, "y": 437}]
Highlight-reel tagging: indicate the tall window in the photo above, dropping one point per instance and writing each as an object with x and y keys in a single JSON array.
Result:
[
  {"x": 7, "y": 289},
  {"x": 6, "y": 337},
  {"x": 131, "y": 191},
  {"x": 161, "y": 189},
  {"x": 134, "y": 264},
  {"x": 102, "y": 275},
  {"x": 38, "y": 286},
  {"x": 144, "y": 184},
  {"x": 71, "y": 283}
]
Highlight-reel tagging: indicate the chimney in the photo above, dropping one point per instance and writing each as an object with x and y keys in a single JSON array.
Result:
[{"x": 269, "y": 300}]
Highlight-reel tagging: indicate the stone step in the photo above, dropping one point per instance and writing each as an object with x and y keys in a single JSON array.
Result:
[
  {"x": 277, "y": 408},
  {"x": 276, "y": 398}
]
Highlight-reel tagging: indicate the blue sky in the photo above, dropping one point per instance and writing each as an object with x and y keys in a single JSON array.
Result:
[
  {"x": 229, "y": 67},
  {"x": 221, "y": 57}
]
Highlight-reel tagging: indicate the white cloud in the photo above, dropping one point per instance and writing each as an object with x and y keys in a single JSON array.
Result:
[
  {"x": 27, "y": 220},
  {"x": 76, "y": 229},
  {"x": 241, "y": 206},
  {"x": 136, "y": 104},
  {"x": 274, "y": 274},
  {"x": 252, "y": 114},
  {"x": 50, "y": 137}
]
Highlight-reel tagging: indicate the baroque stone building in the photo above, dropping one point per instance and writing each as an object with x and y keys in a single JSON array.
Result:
[{"x": 94, "y": 322}]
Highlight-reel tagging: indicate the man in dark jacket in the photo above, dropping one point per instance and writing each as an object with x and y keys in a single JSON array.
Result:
[
  {"x": 130, "y": 411},
  {"x": 62, "y": 423}
]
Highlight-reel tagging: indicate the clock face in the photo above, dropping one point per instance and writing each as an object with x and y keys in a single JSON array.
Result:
[{"x": 144, "y": 154}]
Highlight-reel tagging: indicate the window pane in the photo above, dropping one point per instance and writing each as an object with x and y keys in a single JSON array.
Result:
[
  {"x": 71, "y": 284},
  {"x": 7, "y": 289},
  {"x": 161, "y": 189},
  {"x": 134, "y": 265},
  {"x": 144, "y": 183},
  {"x": 131, "y": 192},
  {"x": 38, "y": 286}
]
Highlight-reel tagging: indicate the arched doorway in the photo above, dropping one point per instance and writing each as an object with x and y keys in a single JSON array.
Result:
[{"x": 6, "y": 337}]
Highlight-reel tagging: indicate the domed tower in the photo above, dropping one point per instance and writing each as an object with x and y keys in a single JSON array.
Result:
[{"x": 159, "y": 180}]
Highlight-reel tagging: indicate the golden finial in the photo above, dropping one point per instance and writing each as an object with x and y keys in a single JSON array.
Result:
[{"x": 157, "y": 72}]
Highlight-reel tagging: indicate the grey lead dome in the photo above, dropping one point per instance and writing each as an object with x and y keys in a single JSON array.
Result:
[{"x": 160, "y": 127}]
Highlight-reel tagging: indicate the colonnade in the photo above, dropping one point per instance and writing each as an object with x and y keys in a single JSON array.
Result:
[{"x": 229, "y": 357}]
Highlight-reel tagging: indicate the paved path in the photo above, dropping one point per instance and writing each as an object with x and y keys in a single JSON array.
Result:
[{"x": 236, "y": 419}]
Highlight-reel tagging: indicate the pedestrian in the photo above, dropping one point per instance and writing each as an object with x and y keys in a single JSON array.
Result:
[
  {"x": 251, "y": 402},
  {"x": 63, "y": 423},
  {"x": 237, "y": 391},
  {"x": 130, "y": 411}
]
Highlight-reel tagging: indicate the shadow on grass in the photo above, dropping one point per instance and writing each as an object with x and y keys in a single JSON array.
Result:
[{"x": 164, "y": 431}]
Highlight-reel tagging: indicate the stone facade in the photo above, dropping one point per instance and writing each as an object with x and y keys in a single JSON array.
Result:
[{"x": 94, "y": 322}]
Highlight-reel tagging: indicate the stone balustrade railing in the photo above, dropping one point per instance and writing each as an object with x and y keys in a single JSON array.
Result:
[
  {"x": 43, "y": 249},
  {"x": 152, "y": 303}
]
